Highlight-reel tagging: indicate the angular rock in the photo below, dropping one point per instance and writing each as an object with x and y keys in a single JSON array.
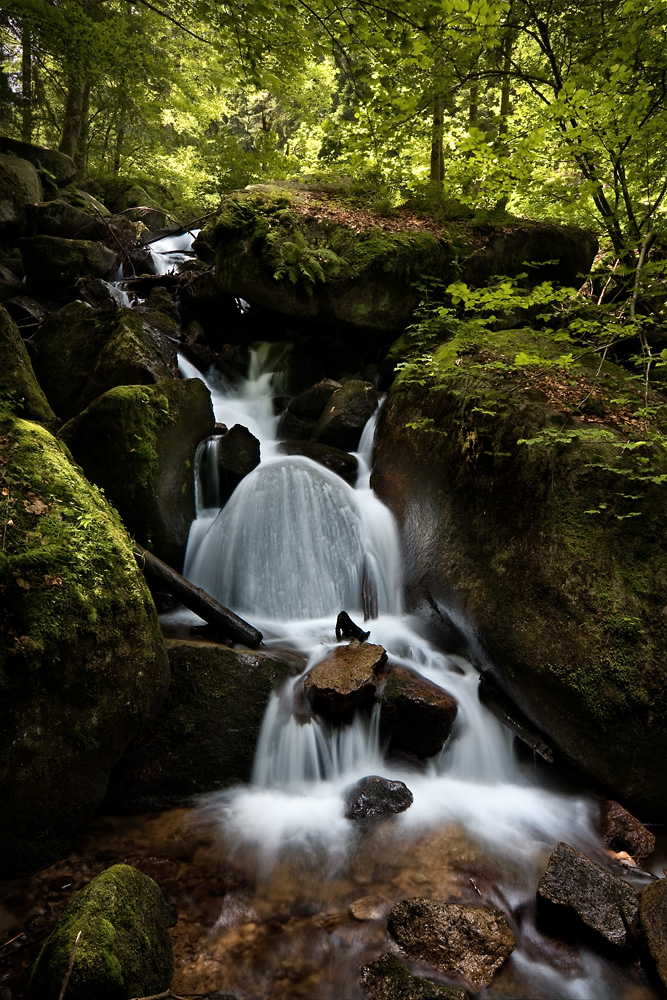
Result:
[
  {"x": 18, "y": 384},
  {"x": 460, "y": 941},
  {"x": 621, "y": 831},
  {"x": 341, "y": 462},
  {"x": 653, "y": 921},
  {"x": 60, "y": 166},
  {"x": 10, "y": 284},
  {"x": 374, "y": 797},
  {"x": 26, "y": 175},
  {"x": 345, "y": 680},
  {"x": 138, "y": 443},
  {"x": 238, "y": 454},
  {"x": 124, "y": 949},
  {"x": 206, "y": 734},
  {"x": 84, "y": 352},
  {"x": 346, "y": 414},
  {"x": 309, "y": 404},
  {"x": 576, "y": 892},
  {"x": 26, "y": 313},
  {"x": 83, "y": 665},
  {"x": 416, "y": 715},
  {"x": 58, "y": 218},
  {"x": 387, "y": 978},
  {"x": 53, "y": 265}
]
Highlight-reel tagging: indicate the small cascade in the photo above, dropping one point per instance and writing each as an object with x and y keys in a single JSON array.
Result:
[{"x": 170, "y": 251}]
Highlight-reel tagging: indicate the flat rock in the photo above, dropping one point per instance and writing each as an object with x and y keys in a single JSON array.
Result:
[
  {"x": 345, "y": 680},
  {"x": 417, "y": 716},
  {"x": 622, "y": 831},
  {"x": 388, "y": 978},
  {"x": 374, "y": 797},
  {"x": 460, "y": 941}
]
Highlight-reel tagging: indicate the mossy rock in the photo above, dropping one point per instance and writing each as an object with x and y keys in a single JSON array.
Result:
[
  {"x": 12, "y": 204},
  {"x": 545, "y": 562},
  {"x": 53, "y": 265},
  {"x": 114, "y": 934},
  {"x": 83, "y": 666},
  {"x": 83, "y": 352},
  {"x": 206, "y": 735},
  {"x": 26, "y": 175},
  {"x": 138, "y": 443},
  {"x": 388, "y": 978},
  {"x": 19, "y": 388},
  {"x": 57, "y": 165},
  {"x": 59, "y": 218}
]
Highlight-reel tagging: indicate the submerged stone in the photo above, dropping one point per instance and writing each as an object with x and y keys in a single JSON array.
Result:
[
  {"x": 374, "y": 797},
  {"x": 388, "y": 978}
]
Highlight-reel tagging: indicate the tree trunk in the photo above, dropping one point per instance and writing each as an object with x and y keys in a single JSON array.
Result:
[
  {"x": 75, "y": 106},
  {"x": 437, "y": 135},
  {"x": 26, "y": 85},
  {"x": 506, "y": 66},
  {"x": 81, "y": 157}
]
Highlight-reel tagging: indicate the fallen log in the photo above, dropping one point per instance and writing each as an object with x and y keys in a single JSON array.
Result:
[{"x": 197, "y": 600}]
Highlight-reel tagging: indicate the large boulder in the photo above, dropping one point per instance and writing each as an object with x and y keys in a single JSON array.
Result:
[
  {"x": 205, "y": 737},
  {"x": 653, "y": 922},
  {"x": 83, "y": 352},
  {"x": 388, "y": 978},
  {"x": 12, "y": 204},
  {"x": 53, "y": 265},
  {"x": 58, "y": 165},
  {"x": 138, "y": 443},
  {"x": 532, "y": 542},
  {"x": 345, "y": 680},
  {"x": 576, "y": 894},
  {"x": 59, "y": 218},
  {"x": 341, "y": 462},
  {"x": 346, "y": 414},
  {"x": 461, "y": 941},
  {"x": 238, "y": 454},
  {"x": 83, "y": 665},
  {"x": 19, "y": 387},
  {"x": 416, "y": 715},
  {"x": 26, "y": 175},
  {"x": 111, "y": 942}
]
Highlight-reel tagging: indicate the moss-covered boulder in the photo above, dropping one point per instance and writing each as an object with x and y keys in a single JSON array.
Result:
[
  {"x": 308, "y": 255},
  {"x": 83, "y": 666},
  {"x": 59, "y": 218},
  {"x": 19, "y": 388},
  {"x": 545, "y": 561},
  {"x": 388, "y": 978},
  {"x": 53, "y": 265},
  {"x": 83, "y": 352},
  {"x": 58, "y": 166},
  {"x": 138, "y": 443},
  {"x": 26, "y": 175},
  {"x": 114, "y": 934},
  {"x": 206, "y": 735}
]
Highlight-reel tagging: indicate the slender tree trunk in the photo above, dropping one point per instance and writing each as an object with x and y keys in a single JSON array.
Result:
[
  {"x": 5, "y": 92},
  {"x": 506, "y": 66},
  {"x": 73, "y": 120},
  {"x": 120, "y": 136},
  {"x": 26, "y": 85},
  {"x": 437, "y": 135},
  {"x": 84, "y": 135},
  {"x": 473, "y": 107}
]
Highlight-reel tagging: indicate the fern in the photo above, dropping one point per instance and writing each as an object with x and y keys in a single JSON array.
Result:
[{"x": 301, "y": 263}]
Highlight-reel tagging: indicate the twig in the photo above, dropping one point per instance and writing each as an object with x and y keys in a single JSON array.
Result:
[
  {"x": 70, "y": 967},
  {"x": 11, "y": 940},
  {"x": 122, "y": 249}
]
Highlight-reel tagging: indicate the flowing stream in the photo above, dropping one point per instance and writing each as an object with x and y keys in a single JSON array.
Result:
[{"x": 290, "y": 549}]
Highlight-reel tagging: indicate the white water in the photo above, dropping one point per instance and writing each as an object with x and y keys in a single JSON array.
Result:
[
  {"x": 171, "y": 251},
  {"x": 289, "y": 551}
]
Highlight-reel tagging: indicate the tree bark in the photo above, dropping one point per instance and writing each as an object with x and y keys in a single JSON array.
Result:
[
  {"x": 437, "y": 135},
  {"x": 197, "y": 600},
  {"x": 26, "y": 85},
  {"x": 75, "y": 106}
]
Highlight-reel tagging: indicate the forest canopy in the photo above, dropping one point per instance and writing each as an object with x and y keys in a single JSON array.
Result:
[{"x": 547, "y": 109}]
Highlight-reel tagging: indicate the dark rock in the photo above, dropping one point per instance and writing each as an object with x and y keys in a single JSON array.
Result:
[
  {"x": 18, "y": 384},
  {"x": 291, "y": 427},
  {"x": 387, "y": 978},
  {"x": 309, "y": 404},
  {"x": 53, "y": 265},
  {"x": 346, "y": 415},
  {"x": 84, "y": 352},
  {"x": 653, "y": 920},
  {"x": 26, "y": 175},
  {"x": 341, "y": 462},
  {"x": 346, "y": 629},
  {"x": 460, "y": 941},
  {"x": 12, "y": 204},
  {"x": 345, "y": 680},
  {"x": 205, "y": 737},
  {"x": 58, "y": 218},
  {"x": 60, "y": 166},
  {"x": 374, "y": 797},
  {"x": 238, "y": 454},
  {"x": 576, "y": 893},
  {"x": 138, "y": 443},
  {"x": 621, "y": 831},
  {"x": 153, "y": 219},
  {"x": 83, "y": 665},
  {"x": 416, "y": 715},
  {"x": 562, "y": 254},
  {"x": 26, "y": 313},
  {"x": 124, "y": 949},
  {"x": 10, "y": 284}
]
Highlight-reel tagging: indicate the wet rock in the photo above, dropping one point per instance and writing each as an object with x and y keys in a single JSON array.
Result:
[
  {"x": 577, "y": 892},
  {"x": 347, "y": 629},
  {"x": 417, "y": 716},
  {"x": 345, "y": 680},
  {"x": 309, "y": 404},
  {"x": 53, "y": 265},
  {"x": 460, "y": 941},
  {"x": 83, "y": 352},
  {"x": 18, "y": 384},
  {"x": 59, "y": 218},
  {"x": 346, "y": 415},
  {"x": 341, "y": 462},
  {"x": 124, "y": 949},
  {"x": 26, "y": 313},
  {"x": 369, "y": 908},
  {"x": 374, "y": 797},
  {"x": 10, "y": 284},
  {"x": 388, "y": 978},
  {"x": 621, "y": 831},
  {"x": 26, "y": 175},
  {"x": 60, "y": 166},
  {"x": 653, "y": 920},
  {"x": 205, "y": 737},
  {"x": 138, "y": 443},
  {"x": 238, "y": 454}
]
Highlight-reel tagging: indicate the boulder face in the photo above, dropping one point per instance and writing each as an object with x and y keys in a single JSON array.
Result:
[
  {"x": 513, "y": 556},
  {"x": 205, "y": 736},
  {"x": 346, "y": 414},
  {"x": 416, "y": 715},
  {"x": 653, "y": 921},
  {"x": 460, "y": 941},
  {"x": 60, "y": 166},
  {"x": 621, "y": 831},
  {"x": 83, "y": 665},
  {"x": 138, "y": 443},
  {"x": 345, "y": 680},
  {"x": 53, "y": 264},
  {"x": 18, "y": 386},
  {"x": 341, "y": 462},
  {"x": 124, "y": 949},
  {"x": 26, "y": 175},
  {"x": 58, "y": 218},
  {"x": 238, "y": 454},
  {"x": 12, "y": 203}
]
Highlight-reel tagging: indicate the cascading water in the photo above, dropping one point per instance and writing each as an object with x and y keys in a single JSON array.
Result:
[{"x": 292, "y": 547}]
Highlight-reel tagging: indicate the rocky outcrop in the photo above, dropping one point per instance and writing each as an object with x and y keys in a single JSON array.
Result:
[
  {"x": 653, "y": 922},
  {"x": 83, "y": 665},
  {"x": 345, "y": 680},
  {"x": 26, "y": 175},
  {"x": 374, "y": 797},
  {"x": 462, "y": 942},
  {"x": 59, "y": 218},
  {"x": 12, "y": 204},
  {"x": 621, "y": 831},
  {"x": 205, "y": 737},
  {"x": 416, "y": 715},
  {"x": 111, "y": 941},
  {"x": 60, "y": 167},
  {"x": 138, "y": 443},
  {"x": 576, "y": 894},
  {"x": 18, "y": 386},
  {"x": 238, "y": 454},
  {"x": 387, "y": 978},
  {"x": 522, "y": 550},
  {"x": 53, "y": 265}
]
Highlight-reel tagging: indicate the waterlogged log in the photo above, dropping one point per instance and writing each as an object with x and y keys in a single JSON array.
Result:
[{"x": 198, "y": 600}]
